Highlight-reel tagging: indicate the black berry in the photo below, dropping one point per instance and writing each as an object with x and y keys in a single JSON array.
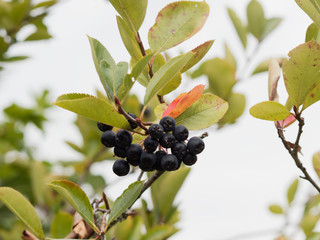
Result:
[
  {"x": 181, "y": 133},
  {"x": 159, "y": 154},
  {"x": 103, "y": 127},
  {"x": 121, "y": 167},
  {"x": 150, "y": 144},
  {"x": 167, "y": 140},
  {"x": 156, "y": 131},
  {"x": 123, "y": 138},
  {"x": 189, "y": 159},
  {"x": 195, "y": 145},
  {"x": 119, "y": 152},
  {"x": 179, "y": 150},
  {"x": 132, "y": 124},
  {"x": 168, "y": 123},
  {"x": 169, "y": 162},
  {"x": 147, "y": 161},
  {"x": 134, "y": 152},
  {"x": 108, "y": 138}
]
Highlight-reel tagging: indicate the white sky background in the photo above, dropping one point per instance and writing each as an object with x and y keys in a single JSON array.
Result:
[{"x": 244, "y": 167}]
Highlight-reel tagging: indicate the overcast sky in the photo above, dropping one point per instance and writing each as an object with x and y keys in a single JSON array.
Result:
[{"x": 244, "y": 167}]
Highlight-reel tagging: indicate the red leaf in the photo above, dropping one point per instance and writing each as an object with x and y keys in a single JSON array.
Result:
[
  {"x": 183, "y": 101},
  {"x": 286, "y": 122}
]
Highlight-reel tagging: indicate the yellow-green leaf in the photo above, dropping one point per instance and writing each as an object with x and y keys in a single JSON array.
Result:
[
  {"x": 239, "y": 26},
  {"x": 23, "y": 209},
  {"x": 312, "y": 97},
  {"x": 302, "y": 71},
  {"x": 256, "y": 19},
  {"x": 176, "y": 23},
  {"x": 292, "y": 190},
  {"x": 312, "y": 32},
  {"x": 276, "y": 209},
  {"x": 271, "y": 24},
  {"x": 94, "y": 108},
  {"x": 316, "y": 163},
  {"x": 205, "y": 112},
  {"x": 312, "y": 8},
  {"x": 269, "y": 110},
  {"x": 77, "y": 198},
  {"x": 159, "y": 232},
  {"x": 61, "y": 224}
]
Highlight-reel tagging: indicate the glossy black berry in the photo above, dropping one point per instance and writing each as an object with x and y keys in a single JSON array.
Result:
[
  {"x": 123, "y": 138},
  {"x": 181, "y": 133},
  {"x": 167, "y": 140},
  {"x": 168, "y": 123},
  {"x": 119, "y": 152},
  {"x": 179, "y": 150},
  {"x": 150, "y": 144},
  {"x": 134, "y": 152},
  {"x": 156, "y": 131},
  {"x": 195, "y": 145},
  {"x": 103, "y": 127},
  {"x": 169, "y": 162},
  {"x": 189, "y": 159},
  {"x": 121, "y": 167},
  {"x": 132, "y": 124},
  {"x": 147, "y": 161},
  {"x": 108, "y": 138},
  {"x": 159, "y": 154}
]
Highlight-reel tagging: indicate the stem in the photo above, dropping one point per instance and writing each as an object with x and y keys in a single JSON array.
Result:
[{"x": 248, "y": 62}]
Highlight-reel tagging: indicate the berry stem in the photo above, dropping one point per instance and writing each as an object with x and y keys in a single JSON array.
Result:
[
  {"x": 204, "y": 135},
  {"x": 140, "y": 175}
]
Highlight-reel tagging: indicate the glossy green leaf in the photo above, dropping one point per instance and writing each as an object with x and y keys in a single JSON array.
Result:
[
  {"x": 164, "y": 75},
  {"x": 77, "y": 198},
  {"x": 256, "y": 19},
  {"x": 237, "y": 103},
  {"x": 316, "y": 163},
  {"x": 23, "y": 209},
  {"x": 129, "y": 39},
  {"x": 292, "y": 190},
  {"x": 159, "y": 232},
  {"x": 276, "y": 209},
  {"x": 312, "y": 97},
  {"x": 269, "y": 110},
  {"x": 205, "y": 112},
  {"x": 159, "y": 193},
  {"x": 302, "y": 71},
  {"x": 271, "y": 24},
  {"x": 113, "y": 76},
  {"x": 61, "y": 224},
  {"x": 239, "y": 26},
  {"x": 176, "y": 23},
  {"x": 94, "y": 108},
  {"x": 132, "y": 11},
  {"x": 99, "y": 53},
  {"x": 312, "y": 32},
  {"x": 126, "y": 199},
  {"x": 312, "y": 8},
  {"x": 199, "y": 53}
]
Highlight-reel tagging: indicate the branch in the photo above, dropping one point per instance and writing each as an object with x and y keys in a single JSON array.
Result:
[
  {"x": 294, "y": 149},
  {"x": 26, "y": 235}
]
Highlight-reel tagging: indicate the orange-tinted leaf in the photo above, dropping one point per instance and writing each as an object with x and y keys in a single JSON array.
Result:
[{"x": 183, "y": 101}]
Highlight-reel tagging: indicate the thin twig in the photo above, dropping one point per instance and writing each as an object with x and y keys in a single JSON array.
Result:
[
  {"x": 105, "y": 200},
  {"x": 140, "y": 175}
]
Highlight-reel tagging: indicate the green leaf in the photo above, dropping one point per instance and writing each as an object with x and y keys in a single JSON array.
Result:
[
  {"x": 99, "y": 53},
  {"x": 312, "y": 32},
  {"x": 269, "y": 110},
  {"x": 276, "y": 209},
  {"x": 292, "y": 190},
  {"x": 256, "y": 20},
  {"x": 312, "y": 8},
  {"x": 23, "y": 209},
  {"x": 229, "y": 56},
  {"x": 125, "y": 87},
  {"x": 132, "y": 11},
  {"x": 262, "y": 67},
  {"x": 199, "y": 53},
  {"x": 302, "y": 71},
  {"x": 77, "y": 198},
  {"x": 164, "y": 75},
  {"x": 312, "y": 97},
  {"x": 37, "y": 175},
  {"x": 129, "y": 39},
  {"x": 208, "y": 110},
  {"x": 316, "y": 163},
  {"x": 39, "y": 34},
  {"x": 113, "y": 76},
  {"x": 160, "y": 193},
  {"x": 45, "y": 4},
  {"x": 140, "y": 65},
  {"x": 126, "y": 199},
  {"x": 176, "y": 23},
  {"x": 237, "y": 103},
  {"x": 159, "y": 110},
  {"x": 159, "y": 232},
  {"x": 61, "y": 225},
  {"x": 239, "y": 26},
  {"x": 94, "y": 108},
  {"x": 308, "y": 223},
  {"x": 271, "y": 24},
  {"x": 14, "y": 59}
]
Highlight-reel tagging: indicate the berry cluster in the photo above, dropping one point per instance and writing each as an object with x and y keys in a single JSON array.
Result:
[{"x": 154, "y": 155}]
